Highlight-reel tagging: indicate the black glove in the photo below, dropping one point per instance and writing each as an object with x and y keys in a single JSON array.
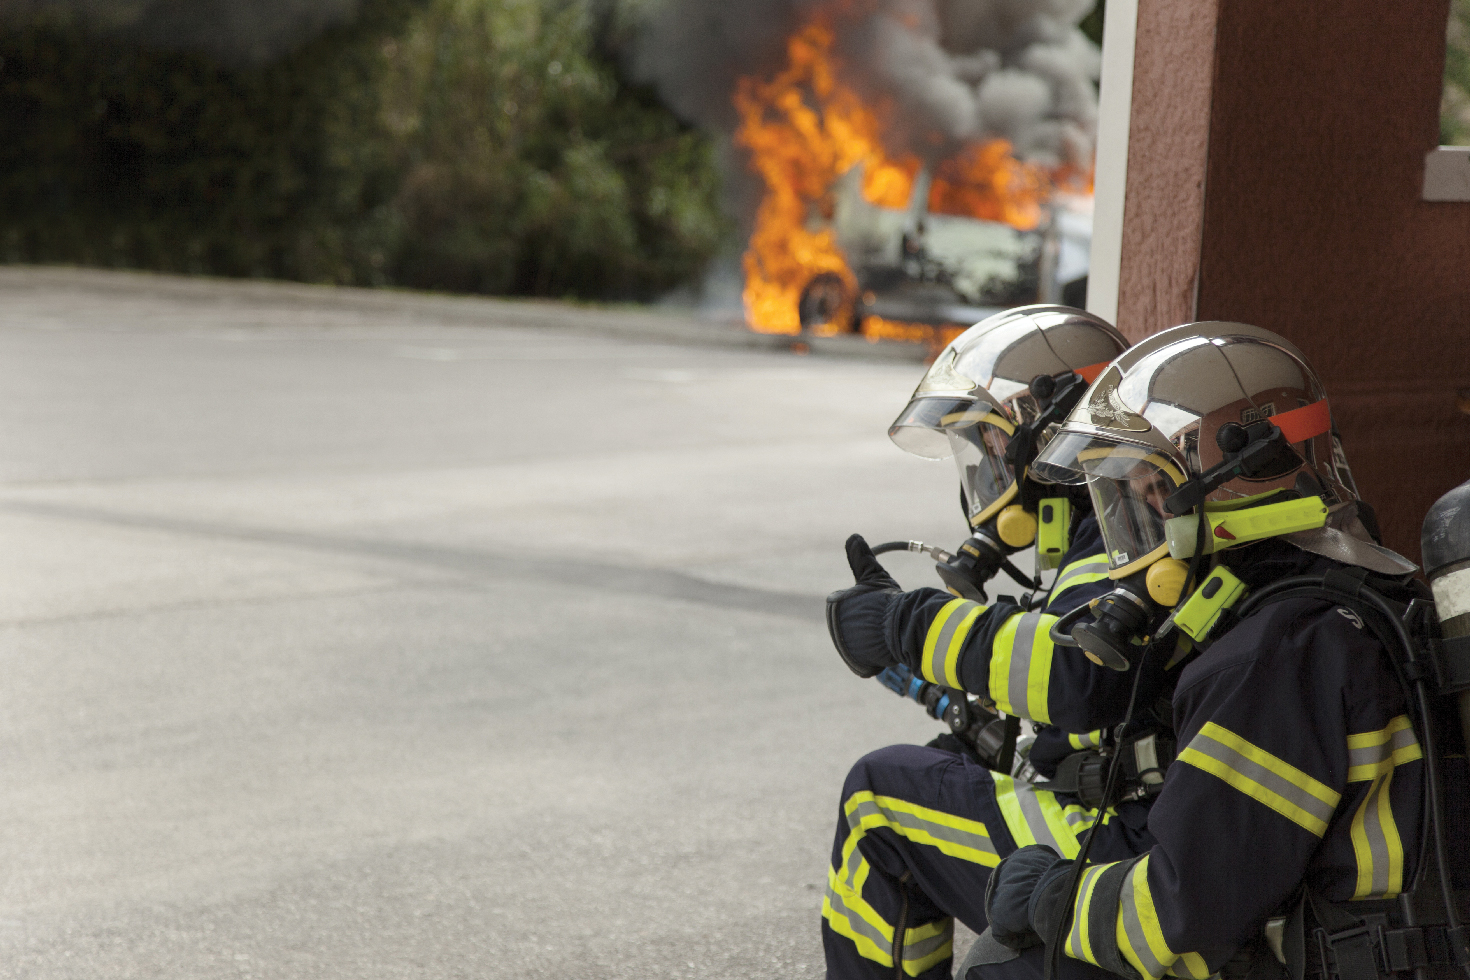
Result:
[
  {"x": 953, "y": 743},
  {"x": 1010, "y": 894},
  {"x": 855, "y": 616},
  {"x": 1051, "y": 900}
]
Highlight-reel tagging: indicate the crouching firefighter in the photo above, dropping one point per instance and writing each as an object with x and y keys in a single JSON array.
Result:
[
  {"x": 1313, "y": 824},
  {"x": 920, "y": 828}
]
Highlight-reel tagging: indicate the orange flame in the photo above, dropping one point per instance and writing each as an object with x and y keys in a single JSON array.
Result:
[
  {"x": 985, "y": 181},
  {"x": 803, "y": 129},
  {"x": 875, "y": 328}
]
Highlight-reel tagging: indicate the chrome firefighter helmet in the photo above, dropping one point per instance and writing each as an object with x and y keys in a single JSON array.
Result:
[
  {"x": 1213, "y": 416},
  {"x": 978, "y": 393}
]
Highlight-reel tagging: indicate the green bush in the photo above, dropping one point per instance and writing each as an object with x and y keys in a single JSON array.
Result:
[
  {"x": 1454, "y": 106},
  {"x": 479, "y": 145}
]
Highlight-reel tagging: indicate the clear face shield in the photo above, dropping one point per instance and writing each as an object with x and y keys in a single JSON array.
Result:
[
  {"x": 1129, "y": 484},
  {"x": 971, "y": 431}
]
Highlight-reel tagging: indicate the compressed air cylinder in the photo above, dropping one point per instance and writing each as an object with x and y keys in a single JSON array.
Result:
[{"x": 1445, "y": 543}]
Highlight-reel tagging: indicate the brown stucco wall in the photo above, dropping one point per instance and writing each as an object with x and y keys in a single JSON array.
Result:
[
  {"x": 1168, "y": 135},
  {"x": 1311, "y": 224}
]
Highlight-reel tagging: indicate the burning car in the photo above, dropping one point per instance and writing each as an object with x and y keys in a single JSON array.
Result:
[
  {"x": 910, "y": 239},
  {"x": 914, "y": 266}
]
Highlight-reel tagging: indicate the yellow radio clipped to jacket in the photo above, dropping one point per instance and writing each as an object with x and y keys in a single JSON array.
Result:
[
  {"x": 1202, "y": 610},
  {"x": 1053, "y": 524}
]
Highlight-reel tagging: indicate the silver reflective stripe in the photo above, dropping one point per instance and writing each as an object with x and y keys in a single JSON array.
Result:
[
  {"x": 1077, "y": 570},
  {"x": 1372, "y": 755},
  {"x": 1133, "y": 923},
  {"x": 858, "y": 924},
  {"x": 854, "y": 862},
  {"x": 1257, "y": 773},
  {"x": 909, "y": 821},
  {"x": 1080, "y": 820},
  {"x": 1036, "y": 820},
  {"x": 957, "y": 616},
  {"x": 1079, "y": 916},
  {"x": 913, "y": 952},
  {"x": 1377, "y": 839},
  {"x": 1019, "y": 677}
]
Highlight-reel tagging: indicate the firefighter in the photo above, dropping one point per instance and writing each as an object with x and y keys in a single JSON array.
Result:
[
  {"x": 921, "y": 827},
  {"x": 1298, "y": 794}
]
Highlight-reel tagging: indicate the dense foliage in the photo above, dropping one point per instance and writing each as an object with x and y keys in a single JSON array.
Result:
[
  {"x": 1454, "y": 107},
  {"x": 484, "y": 145}
]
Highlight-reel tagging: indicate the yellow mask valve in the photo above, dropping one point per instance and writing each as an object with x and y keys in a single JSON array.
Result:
[
  {"x": 1165, "y": 580},
  {"x": 1228, "y": 528},
  {"x": 1201, "y": 611},
  {"x": 1016, "y": 527},
  {"x": 1055, "y": 514}
]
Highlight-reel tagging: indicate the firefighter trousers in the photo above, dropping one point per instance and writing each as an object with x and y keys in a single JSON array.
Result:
[{"x": 918, "y": 833}]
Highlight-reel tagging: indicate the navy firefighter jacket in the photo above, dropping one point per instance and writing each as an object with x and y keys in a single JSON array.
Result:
[
  {"x": 1298, "y": 764},
  {"x": 1004, "y": 653}
]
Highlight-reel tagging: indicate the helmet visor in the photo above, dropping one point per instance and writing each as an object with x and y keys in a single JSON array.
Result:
[
  {"x": 920, "y": 427},
  {"x": 970, "y": 430},
  {"x": 979, "y": 452},
  {"x": 1129, "y": 484}
]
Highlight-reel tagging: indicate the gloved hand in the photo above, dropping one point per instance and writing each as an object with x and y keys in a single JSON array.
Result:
[
  {"x": 952, "y": 743},
  {"x": 855, "y": 616},
  {"x": 1011, "y": 893}
]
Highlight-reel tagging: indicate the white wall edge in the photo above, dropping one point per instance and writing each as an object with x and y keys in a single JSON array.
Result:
[
  {"x": 1110, "y": 183},
  {"x": 1446, "y": 175}
]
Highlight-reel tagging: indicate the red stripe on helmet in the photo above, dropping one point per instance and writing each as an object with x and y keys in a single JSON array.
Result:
[
  {"x": 1307, "y": 422},
  {"x": 1090, "y": 373}
]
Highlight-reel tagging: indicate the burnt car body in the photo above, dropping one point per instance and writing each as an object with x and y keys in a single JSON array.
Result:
[{"x": 915, "y": 266}]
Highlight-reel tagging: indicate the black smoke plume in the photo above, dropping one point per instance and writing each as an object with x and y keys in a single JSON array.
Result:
[{"x": 960, "y": 70}]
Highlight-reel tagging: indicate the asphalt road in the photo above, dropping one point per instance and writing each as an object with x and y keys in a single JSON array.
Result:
[{"x": 370, "y": 635}]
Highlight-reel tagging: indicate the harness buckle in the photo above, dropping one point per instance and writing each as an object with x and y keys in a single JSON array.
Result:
[
  {"x": 1352, "y": 954},
  {"x": 1405, "y": 949}
]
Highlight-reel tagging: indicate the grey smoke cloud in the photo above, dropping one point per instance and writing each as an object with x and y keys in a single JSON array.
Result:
[
  {"x": 959, "y": 69},
  {"x": 233, "y": 30}
]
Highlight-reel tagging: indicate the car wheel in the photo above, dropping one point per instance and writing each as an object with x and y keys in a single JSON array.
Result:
[{"x": 826, "y": 305}]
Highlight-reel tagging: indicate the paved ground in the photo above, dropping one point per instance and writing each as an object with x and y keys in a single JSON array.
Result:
[{"x": 368, "y": 635}]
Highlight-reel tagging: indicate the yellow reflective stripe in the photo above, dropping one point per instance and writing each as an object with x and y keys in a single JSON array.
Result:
[
  {"x": 1079, "y": 940},
  {"x": 1062, "y": 829},
  {"x": 851, "y": 916},
  {"x": 1377, "y": 844},
  {"x": 1093, "y": 568},
  {"x": 1089, "y": 741},
  {"x": 946, "y": 637},
  {"x": 928, "y": 945},
  {"x": 1371, "y": 754},
  {"x": 1020, "y": 666},
  {"x": 1140, "y": 937},
  {"x": 1262, "y": 776},
  {"x": 1385, "y": 734},
  {"x": 1191, "y": 965},
  {"x": 1034, "y": 816},
  {"x": 952, "y": 835}
]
